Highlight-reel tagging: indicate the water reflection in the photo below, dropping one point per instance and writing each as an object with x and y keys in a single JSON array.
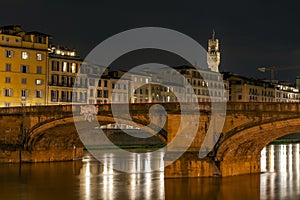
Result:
[
  {"x": 282, "y": 178},
  {"x": 88, "y": 179},
  {"x": 113, "y": 184}
]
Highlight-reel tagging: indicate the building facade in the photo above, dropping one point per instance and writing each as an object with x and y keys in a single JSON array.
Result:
[
  {"x": 243, "y": 89},
  {"x": 63, "y": 72},
  {"x": 23, "y": 66}
]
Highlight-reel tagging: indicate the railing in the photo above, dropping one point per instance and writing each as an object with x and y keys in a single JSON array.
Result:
[{"x": 169, "y": 107}]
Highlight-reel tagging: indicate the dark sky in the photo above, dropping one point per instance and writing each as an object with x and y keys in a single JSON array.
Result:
[{"x": 251, "y": 33}]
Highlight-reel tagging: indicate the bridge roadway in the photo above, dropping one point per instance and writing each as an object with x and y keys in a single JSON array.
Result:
[{"x": 48, "y": 133}]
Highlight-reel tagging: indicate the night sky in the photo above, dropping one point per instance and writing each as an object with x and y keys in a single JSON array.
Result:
[{"x": 251, "y": 33}]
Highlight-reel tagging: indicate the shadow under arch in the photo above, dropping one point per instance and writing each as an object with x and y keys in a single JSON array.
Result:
[{"x": 67, "y": 127}]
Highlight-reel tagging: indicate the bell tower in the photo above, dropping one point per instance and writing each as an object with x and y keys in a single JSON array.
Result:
[{"x": 213, "y": 58}]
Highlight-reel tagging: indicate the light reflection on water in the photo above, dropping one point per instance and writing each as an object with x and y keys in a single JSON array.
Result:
[
  {"x": 119, "y": 185},
  {"x": 88, "y": 179},
  {"x": 282, "y": 178}
]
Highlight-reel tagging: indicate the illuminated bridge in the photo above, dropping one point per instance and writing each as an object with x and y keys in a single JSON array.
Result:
[{"x": 48, "y": 133}]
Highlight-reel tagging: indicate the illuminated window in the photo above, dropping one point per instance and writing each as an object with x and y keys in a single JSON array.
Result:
[
  {"x": 38, "y": 81},
  {"x": 65, "y": 67},
  {"x": 9, "y": 53},
  {"x": 24, "y": 55},
  {"x": 73, "y": 67},
  {"x": 39, "y": 56}
]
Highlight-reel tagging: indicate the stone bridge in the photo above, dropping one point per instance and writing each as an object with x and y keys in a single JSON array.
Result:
[{"x": 48, "y": 133}]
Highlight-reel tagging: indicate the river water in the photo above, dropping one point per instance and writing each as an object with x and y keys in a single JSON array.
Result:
[{"x": 89, "y": 179}]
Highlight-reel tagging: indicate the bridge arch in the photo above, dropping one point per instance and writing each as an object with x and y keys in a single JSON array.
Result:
[
  {"x": 244, "y": 146},
  {"x": 67, "y": 127}
]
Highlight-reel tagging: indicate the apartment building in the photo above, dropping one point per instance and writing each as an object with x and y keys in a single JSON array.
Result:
[{"x": 23, "y": 64}]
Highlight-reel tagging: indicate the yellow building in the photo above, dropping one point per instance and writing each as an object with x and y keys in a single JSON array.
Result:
[{"x": 23, "y": 61}]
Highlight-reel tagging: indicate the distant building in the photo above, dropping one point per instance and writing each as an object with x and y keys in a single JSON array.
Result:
[
  {"x": 243, "y": 89},
  {"x": 214, "y": 56},
  {"x": 207, "y": 85},
  {"x": 23, "y": 64}
]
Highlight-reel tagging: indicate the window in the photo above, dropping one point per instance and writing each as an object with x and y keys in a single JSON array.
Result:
[
  {"x": 74, "y": 96},
  {"x": 6, "y": 104},
  {"x": 73, "y": 81},
  {"x": 39, "y": 70},
  {"x": 238, "y": 90},
  {"x": 82, "y": 96},
  {"x": 240, "y": 97},
  {"x": 54, "y": 95},
  {"x": 7, "y": 79},
  {"x": 24, "y": 55},
  {"x": 24, "y": 93},
  {"x": 73, "y": 68},
  {"x": 92, "y": 82},
  {"x": 105, "y": 83},
  {"x": 24, "y": 69},
  {"x": 24, "y": 81},
  {"x": 9, "y": 53},
  {"x": 39, "y": 56},
  {"x": 99, "y": 93},
  {"x": 64, "y": 96},
  {"x": 99, "y": 83},
  {"x": 64, "y": 80},
  {"x": 8, "y": 67},
  {"x": 105, "y": 94},
  {"x": 38, "y": 94},
  {"x": 54, "y": 79},
  {"x": 65, "y": 67},
  {"x": 38, "y": 81},
  {"x": 91, "y": 93},
  {"x": 55, "y": 65},
  {"x": 8, "y": 92}
]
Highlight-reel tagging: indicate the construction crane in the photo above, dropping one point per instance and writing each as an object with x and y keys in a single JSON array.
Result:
[{"x": 276, "y": 68}]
